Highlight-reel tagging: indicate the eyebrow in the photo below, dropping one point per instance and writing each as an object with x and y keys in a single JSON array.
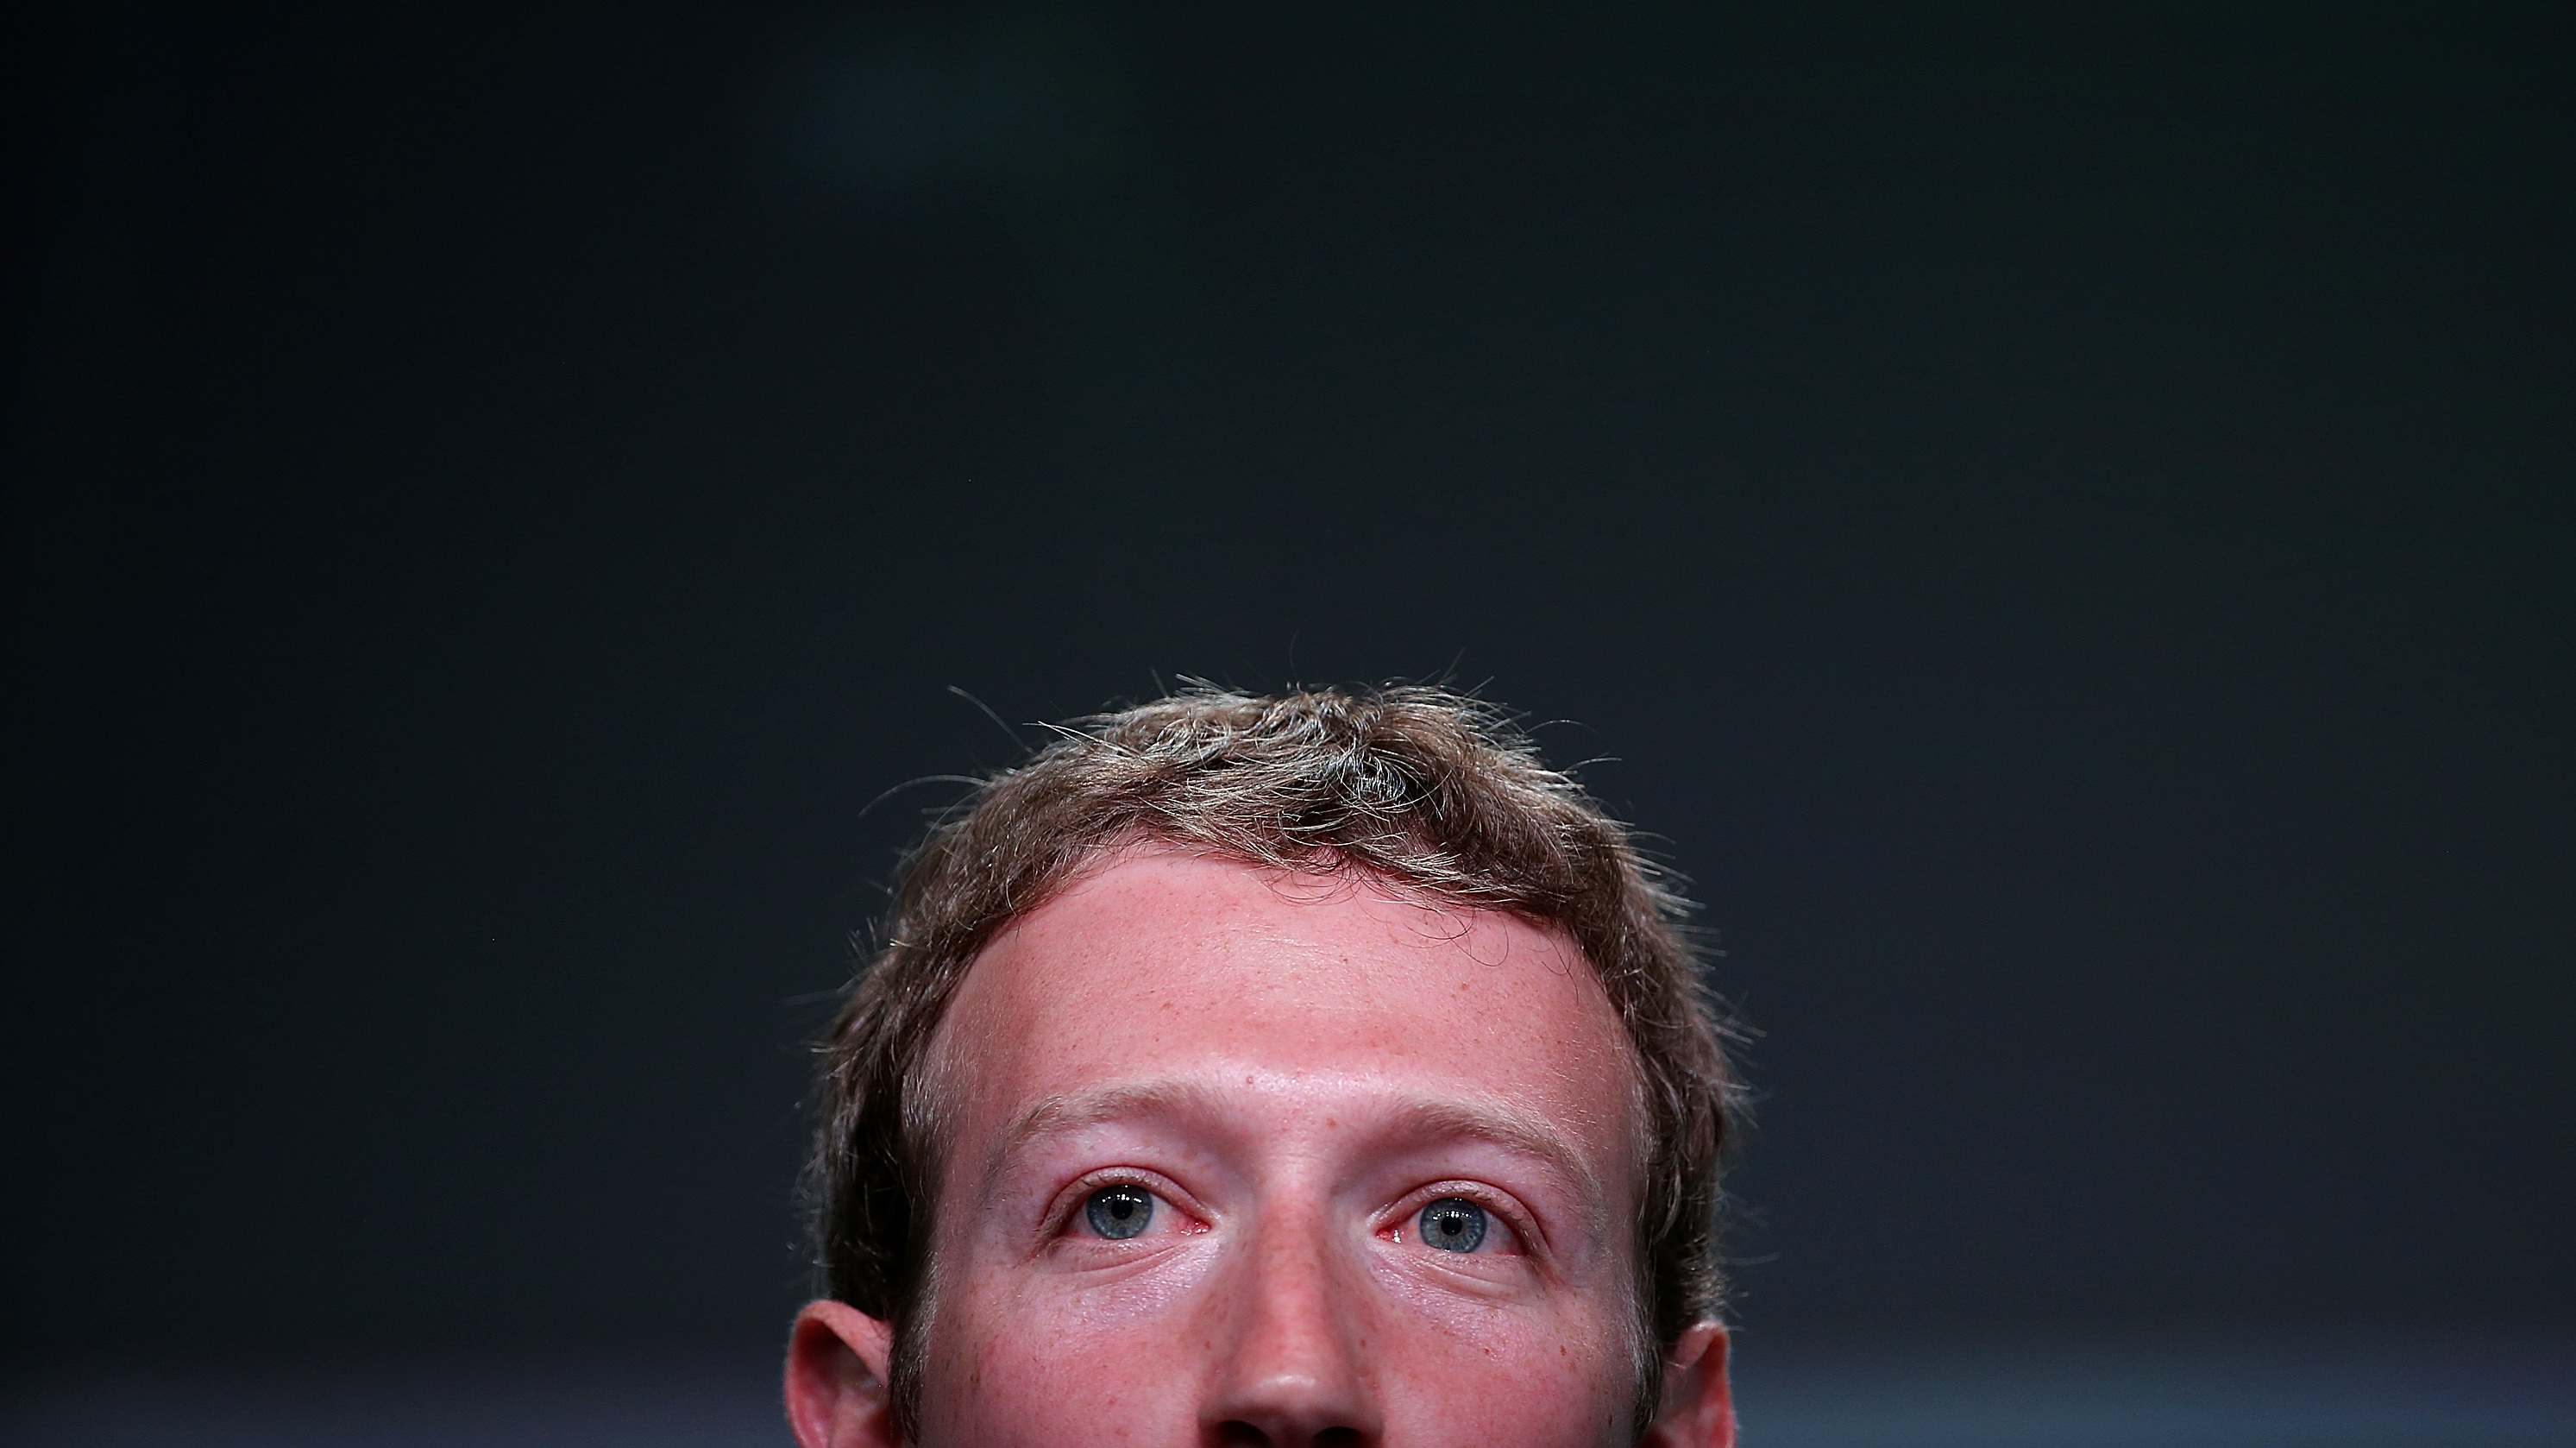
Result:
[
  {"x": 1061, "y": 1114},
  {"x": 1514, "y": 1131},
  {"x": 1508, "y": 1127}
]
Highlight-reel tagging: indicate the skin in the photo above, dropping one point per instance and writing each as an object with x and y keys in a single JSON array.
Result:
[{"x": 1293, "y": 1068}]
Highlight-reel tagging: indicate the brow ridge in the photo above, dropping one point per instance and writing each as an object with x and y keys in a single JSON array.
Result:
[{"x": 1503, "y": 1125}]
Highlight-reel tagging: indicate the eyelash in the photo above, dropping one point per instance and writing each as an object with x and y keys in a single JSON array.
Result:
[{"x": 1068, "y": 1207}]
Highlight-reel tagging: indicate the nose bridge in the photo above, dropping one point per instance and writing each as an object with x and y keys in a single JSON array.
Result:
[{"x": 1297, "y": 1373}]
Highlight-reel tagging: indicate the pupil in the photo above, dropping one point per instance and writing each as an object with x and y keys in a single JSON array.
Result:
[
  {"x": 1453, "y": 1224},
  {"x": 1119, "y": 1212}
]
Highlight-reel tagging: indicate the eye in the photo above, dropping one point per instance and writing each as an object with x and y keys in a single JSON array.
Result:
[
  {"x": 1452, "y": 1224},
  {"x": 1119, "y": 1212}
]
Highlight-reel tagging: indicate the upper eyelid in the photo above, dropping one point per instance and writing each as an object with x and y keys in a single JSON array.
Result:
[
  {"x": 1416, "y": 1122},
  {"x": 1068, "y": 1202}
]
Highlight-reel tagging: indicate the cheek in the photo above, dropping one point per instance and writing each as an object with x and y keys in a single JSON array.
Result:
[
  {"x": 1454, "y": 1371},
  {"x": 1008, "y": 1365},
  {"x": 1015, "y": 1359}
]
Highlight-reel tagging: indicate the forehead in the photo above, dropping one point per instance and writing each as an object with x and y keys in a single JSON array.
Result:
[{"x": 1277, "y": 992}]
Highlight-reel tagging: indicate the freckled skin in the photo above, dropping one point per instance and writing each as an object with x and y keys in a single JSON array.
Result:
[{"x": 1293, "y": 1068}]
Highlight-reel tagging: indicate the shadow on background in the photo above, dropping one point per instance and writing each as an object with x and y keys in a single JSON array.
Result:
[{"x": 2059, "y": 518}]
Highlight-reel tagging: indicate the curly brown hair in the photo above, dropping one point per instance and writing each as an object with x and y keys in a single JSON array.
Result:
[{"x": 1431, "y": 790}]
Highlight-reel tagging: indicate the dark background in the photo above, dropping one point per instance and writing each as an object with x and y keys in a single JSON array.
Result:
[{"x": 2060, "y": 516}]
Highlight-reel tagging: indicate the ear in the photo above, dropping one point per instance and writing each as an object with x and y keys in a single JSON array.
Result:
[
  {"x": 1699, "y": 1409},
  {"x": 837, "y": 1360}
]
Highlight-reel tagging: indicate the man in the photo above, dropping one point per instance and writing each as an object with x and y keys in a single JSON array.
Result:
[{"x": 1318, "y": 1069}]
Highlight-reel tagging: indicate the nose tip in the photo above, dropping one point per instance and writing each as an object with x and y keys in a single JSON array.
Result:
[
  {"x": 1295, "y": 1411},
  {"x": 1294, "y": 1376},
  {"x": 1296, "y": 1408}
]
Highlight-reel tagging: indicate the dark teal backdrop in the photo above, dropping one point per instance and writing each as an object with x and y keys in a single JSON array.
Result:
[{"x": 2060, "y": 517}]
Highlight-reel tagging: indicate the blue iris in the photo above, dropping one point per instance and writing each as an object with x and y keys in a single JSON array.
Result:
[
  {"x": 1119, "y": 1212},
  {"x": 1453, "y": 1224}
]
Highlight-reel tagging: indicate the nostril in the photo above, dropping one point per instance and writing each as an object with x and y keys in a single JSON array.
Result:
[{"x": 1236, "y": 1433}]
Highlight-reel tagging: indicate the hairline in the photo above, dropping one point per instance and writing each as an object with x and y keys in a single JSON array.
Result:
[
  {"x": 929, "y": 1116},
  {"x": 1485, "y": 826}
]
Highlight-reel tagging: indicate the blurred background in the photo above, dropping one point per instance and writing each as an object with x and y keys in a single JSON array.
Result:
[{"x": 2058, "y": 518}]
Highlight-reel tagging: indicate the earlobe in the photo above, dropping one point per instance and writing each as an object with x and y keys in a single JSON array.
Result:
[
  {"x": 1699, "y": 1407},
  {"x": 837, "y": 1359}
]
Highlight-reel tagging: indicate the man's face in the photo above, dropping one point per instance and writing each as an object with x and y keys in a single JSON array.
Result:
[{"x": 1233, "y": 1157}]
